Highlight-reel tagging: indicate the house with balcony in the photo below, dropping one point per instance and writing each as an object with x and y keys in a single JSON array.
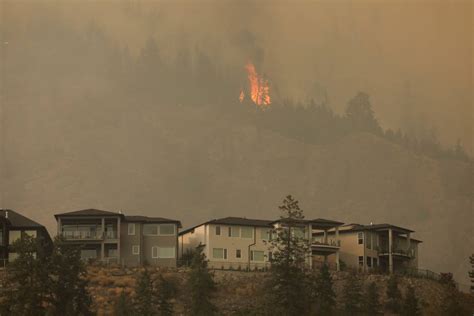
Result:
[
  {"x": 242, "y": 243},
  {"x": 13, "y": 227},
  {"x": 113, "y": 237},
  {"x": 384, "y": 247}
]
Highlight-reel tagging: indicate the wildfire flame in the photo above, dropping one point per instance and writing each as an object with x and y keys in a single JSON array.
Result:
[{"x": 258, "y": 87}]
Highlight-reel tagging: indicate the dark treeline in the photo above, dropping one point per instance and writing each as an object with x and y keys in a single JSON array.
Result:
[{"x": 101, "y": 71}]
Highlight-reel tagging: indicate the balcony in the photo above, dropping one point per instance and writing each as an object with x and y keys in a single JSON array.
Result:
[
  {"x": 82, "y": 235},
  {"x": 397, "y": 251},
  {"x": 329, "y": 246}
]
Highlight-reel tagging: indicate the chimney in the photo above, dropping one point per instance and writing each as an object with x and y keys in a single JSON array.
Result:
[
  {"x": 120, "y": 211},
  {"x": 6, "y": 214}
]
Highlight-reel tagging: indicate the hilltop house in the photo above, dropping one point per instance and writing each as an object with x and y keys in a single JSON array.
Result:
[
  {"x": 14, "y": 226},
  {"x": 128, "y": 240},
  {"x": 242, "y": 243},
  {"x": 377, "y": 246}
]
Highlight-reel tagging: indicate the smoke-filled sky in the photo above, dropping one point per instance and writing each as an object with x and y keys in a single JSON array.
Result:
[{"x": 413, "y": 57}]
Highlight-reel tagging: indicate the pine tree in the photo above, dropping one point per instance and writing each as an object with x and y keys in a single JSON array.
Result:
[
  {"x": 26, "y": 280},
  {"x": 123, "y": 306},
  {"x": 372, "y": 301},
  {"x": 394, "y": 295},
  {"x": 69, "y": 294},
  {"x": 352, "y": 295},
  {"x": 451, "y": 302},
  {"x": 410, "y": 304},
  {"x": 288, "y": 292},
  {"x": 201, "y": 286},
  {"x": 144, "y": 295},
  {"x": 325, "y": 296},
  {"x": 166, "y": 292}
]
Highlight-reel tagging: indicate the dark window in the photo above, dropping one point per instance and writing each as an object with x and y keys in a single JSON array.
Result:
[
  {"x": 361, "y": 261},
  {"x": 218, "y": 230},
  {"x": 360, "y": 237},
  {"x": 238, "y": 253},
  {"x": 369, "y": 262},
  {"x": 225, "y": 253},
  {"x": 375, "y": 263}
]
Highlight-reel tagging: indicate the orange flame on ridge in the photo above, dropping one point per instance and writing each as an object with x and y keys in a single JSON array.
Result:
[{"x": 259, "y": 89}]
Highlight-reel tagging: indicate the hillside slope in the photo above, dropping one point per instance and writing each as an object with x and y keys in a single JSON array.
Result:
[{"x": 192, "y": 164}]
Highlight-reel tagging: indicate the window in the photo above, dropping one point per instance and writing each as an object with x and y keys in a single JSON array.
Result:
[
  {"x": 1, "y": 237},
  {"x": 88, "y": 254},
  {"x": 360, "y": 237},
  {"x": 247, "y": 232},
  {"x": 270, "y": 256},
  {"x": 135, "y": 250},
  {"x": 167, "y": 229},
  {"x": 369, "y": 240},
  {"x": 218, "y": 230},
  {"x": 369, "y": 262},
  {"x": 361, "y": 261},
  {"x": 374, "y": 262},
  {"x": 13, "y": 236},
  {"x": 166, "y": 252},
  {"x": 257, "y": 255},
  {"x": 154, "y": 252},
  {"x": 265, "y": 233},
  {"x": 298, "y": 232},
  {"x": 234, "y": 231},
  {"x": 219, "y": 253},
  {"x": 238, "y": 253},
  {"x": 112, "y": 253},
  {"x": 12, "y": 256},
  {"x": 150, "y": 229},
  {"x": 31, "y": 233},
  {"x": 131, "y": 228}
]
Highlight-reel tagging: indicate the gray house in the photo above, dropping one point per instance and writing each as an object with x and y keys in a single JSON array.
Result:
[{"x": 112, "y": 237}]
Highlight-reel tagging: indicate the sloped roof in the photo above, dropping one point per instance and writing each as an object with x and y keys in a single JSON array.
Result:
[
  {"x": 238, "y": 221},
  {"x": 379, "y": 227},
  {"x": 17, "y": 220},
  {"x": 146, "y": 219},
  {"x": 89, "y": 212}
]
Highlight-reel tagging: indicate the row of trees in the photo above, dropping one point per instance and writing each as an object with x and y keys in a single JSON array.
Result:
[{"x": 42, "y": 283}]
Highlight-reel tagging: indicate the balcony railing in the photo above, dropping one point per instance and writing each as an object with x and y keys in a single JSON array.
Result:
[
  {"x": 397, "y": 250},
  {"x": 89, "y": 235},
  {"x": 332, "y": 243}
]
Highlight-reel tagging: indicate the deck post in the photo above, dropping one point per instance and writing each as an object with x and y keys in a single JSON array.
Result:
[
  {"x": 310, "y": 239},
  {"x": 390, "y": 257},
  {"x": 337, "y": 251},
  {"x": 102, "y": 243},
  {"x": 118, "y": 240}
]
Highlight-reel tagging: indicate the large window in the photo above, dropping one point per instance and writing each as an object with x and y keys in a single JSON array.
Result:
[
  {"x": 131, "y": 228},
  {"x": 14, "y": 235},
  {"x": 88, "y": 254},
  {"x": 257, "y": 255},
  {"x": 167, "y": 229},
  {"x": 360, "y": 237},
  {"x": 159, "y": 230},
  {"x": 31, "y": 233},
  {"x": 298, "y": 232},
  {"x": 369, "y": 240},
  {"x": 218, "y": 230},
  {"x": 166, "y": 252},
  {"x": 150, "y": 229},
  {"x": 234, "y": 231},
  {"x": 135, "y": 249},
  {"x": 247, "y": 232},
  {"x": 219, "y": 253},
  {"x": 265, "y": 233},
  {"x": 369, "y": 262}
]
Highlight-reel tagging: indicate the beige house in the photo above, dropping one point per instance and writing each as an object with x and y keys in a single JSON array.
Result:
[
  {"x": 112, "y": 237},
  {"x": 377, "y": 246},
  {"x": 242, "y": 243}
]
